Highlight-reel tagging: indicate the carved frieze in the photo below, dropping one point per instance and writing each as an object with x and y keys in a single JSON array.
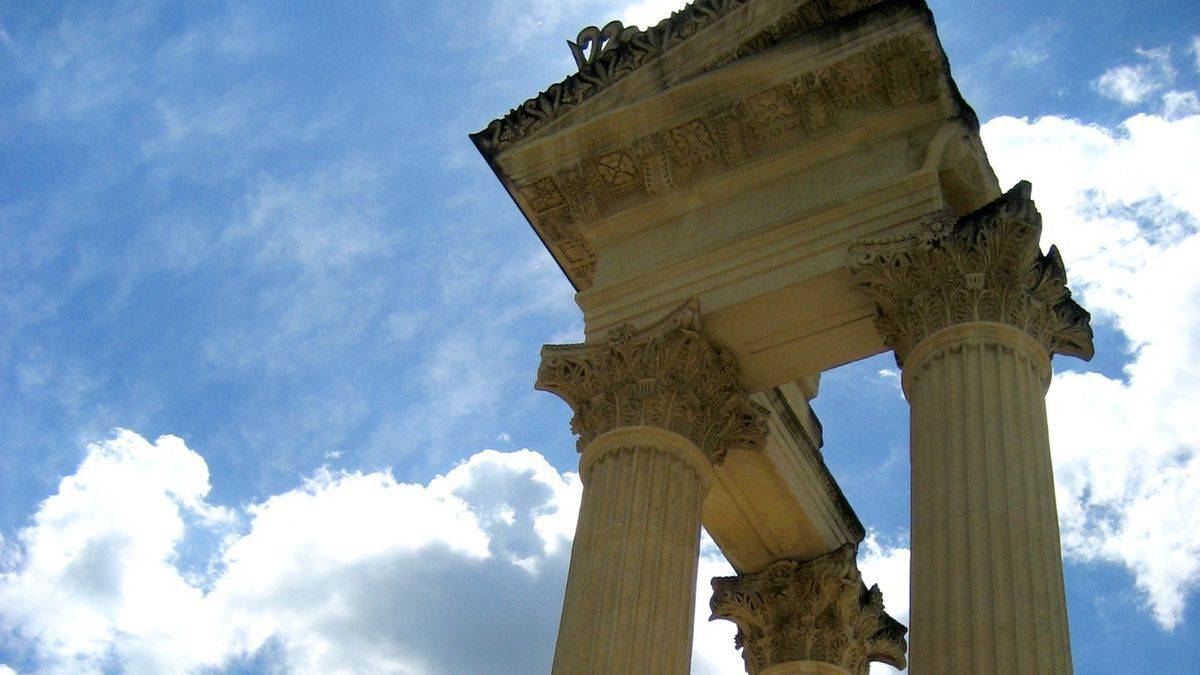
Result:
[
  {"x": 986, "y": 266},
  {"x": 818, "y": 610},
  {"x": 901, "y": 70},
  {"x": 814, "y": 102},
  {"x": 692, "y": 143},
  {"x": 667, "y": 376},
  {"x": 774, "y": 111}
]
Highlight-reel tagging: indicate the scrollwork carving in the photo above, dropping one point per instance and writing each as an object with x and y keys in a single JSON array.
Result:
[
  {"x": 667, "y": 376},
  {"x": 593, "y": 42},
  {"x": 818, "y": 610},
  {"x": 986, "y": 266}
]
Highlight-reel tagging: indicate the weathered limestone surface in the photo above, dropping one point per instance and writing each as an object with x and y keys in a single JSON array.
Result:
[
  {"x": 653, "y": 409},
  {"x": 974, "y": 311},
  {"x": 809, "y": 617}
]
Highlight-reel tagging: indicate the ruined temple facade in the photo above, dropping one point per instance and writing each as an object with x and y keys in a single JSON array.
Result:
[{"x": 745, "y": 195}]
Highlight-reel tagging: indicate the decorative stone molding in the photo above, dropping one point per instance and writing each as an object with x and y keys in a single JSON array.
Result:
[
  {"x": 818, "y": 610},
  {"x": 985, "y": 266},
  {"x": 667, "y": 376},
  {"x": 899, "y": 71},
  {"x": 606, "y": 55}
]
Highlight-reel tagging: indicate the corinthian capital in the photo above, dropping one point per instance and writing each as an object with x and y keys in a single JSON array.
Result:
[
  {"x": 667, "y": 376},
  {"x": 986, "y": 266},
  {"x": 818, "y": 610}
]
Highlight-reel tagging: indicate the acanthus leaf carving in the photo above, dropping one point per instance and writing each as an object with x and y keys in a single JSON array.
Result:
[
  {"x": 667, "y": 376},
  {"x": 818, "y": 610},
  {"x": 985, "y": 266}
]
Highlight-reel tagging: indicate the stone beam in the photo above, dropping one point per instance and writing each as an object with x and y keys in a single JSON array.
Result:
[{"x": 780, "y": 502}]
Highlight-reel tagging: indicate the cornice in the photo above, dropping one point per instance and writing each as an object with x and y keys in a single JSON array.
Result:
[{"x": 616, "y": 52}]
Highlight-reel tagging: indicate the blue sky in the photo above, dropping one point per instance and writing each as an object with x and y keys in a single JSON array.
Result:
[{"x": 263, "y": 309}]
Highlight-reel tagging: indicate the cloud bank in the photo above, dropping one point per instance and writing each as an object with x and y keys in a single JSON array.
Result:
[
  {"x": 348, "y": 572},
  {"x": 1122, "y": 206},
  {"x": 1132, "y": 84}
]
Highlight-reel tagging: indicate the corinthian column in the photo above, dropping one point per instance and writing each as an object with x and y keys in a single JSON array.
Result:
[
  {"x": 809, "y": 618},
  {"x": 653, "y": 409},
  {"x": 974, "y": 311}
]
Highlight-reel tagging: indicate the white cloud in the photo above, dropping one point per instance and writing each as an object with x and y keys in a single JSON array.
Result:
[
  {"x": 308, "y": 244},
  {"x": 329, "y": 218},
  {"x": 349, "y": 572},
  {"x": 359, "y": 573},
  {"x": 1131, "y": 84},
  {"x": 713, "y": 652},
  {"x": 98, "y": 574},
  {"x": 646, "y": 13},
  {"x": 1122, "y": 205},
  {"x": 892, "y": 377},
  {"x": 887, "y": 566},
  {"x": 1178, "y": 104},
  {"x": 533, "y": 22},
  {"x": 1195, "y": 50},
  {"x": 1029, "y": 57}
]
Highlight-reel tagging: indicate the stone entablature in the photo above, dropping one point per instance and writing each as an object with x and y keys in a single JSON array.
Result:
[
  {"x": 667, "y": 376},
  {"x": 986, "y": 266},
  {"x": 900, "y": 71},
  {"x": 818, "y": 610}
]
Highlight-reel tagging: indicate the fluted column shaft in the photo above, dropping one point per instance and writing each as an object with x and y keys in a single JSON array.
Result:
[
  {"x": 631, "y": 591},
  {"x": 654, "y": 409},
  {"x": 974, "y": 311},
  {"x": 987, "y": 578}
]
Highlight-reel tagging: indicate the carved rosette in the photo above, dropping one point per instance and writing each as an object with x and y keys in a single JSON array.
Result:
[
  {"x": 986, "y": 266},
  {"x": 667, "y": 376},
  {"x": 818, "y": 610}
]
